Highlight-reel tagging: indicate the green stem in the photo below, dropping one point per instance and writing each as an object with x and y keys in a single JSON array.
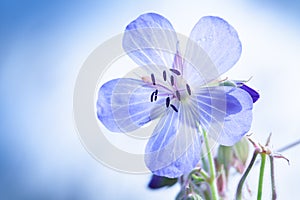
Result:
[
  {"x": 212, "y": 169},
  {"x": 238, "y": 195},
  {"x": 261, "y": 176},
  {"x": 204, "y": 163},
  {"x": 274, "y": 194}
]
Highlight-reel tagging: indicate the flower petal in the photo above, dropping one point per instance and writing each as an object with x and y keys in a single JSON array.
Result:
[
  {"x": 124, "y": 105},
  {"x": 219, "y": 39},
  {"x": 151, "y": 41},
  {"x": 225, "y": 113},
  {"x": 174, "y": 149},
  {"x": 221, "y": 43}
]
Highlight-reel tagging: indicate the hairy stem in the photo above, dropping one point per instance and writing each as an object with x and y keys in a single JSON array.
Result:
[
  {"x": 274, "y": 194},
  {"x": 238, "y": 195}
]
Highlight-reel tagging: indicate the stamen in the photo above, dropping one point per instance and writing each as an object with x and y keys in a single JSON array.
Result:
[
  {"x": 168, "y": 102},
  {"x": 174, "y": 108},
  {"x": 178, "y": 95},
  {"x": 165, "y": 75},
  {"x": 155, "y": 97},
  {"x": 152, "y": 95},
  {"x": 175, "y": 71},
  {"x": 188, "y": 89},
  {"x": 172, "y": 80},
  {"x": 153, "y": 79}
]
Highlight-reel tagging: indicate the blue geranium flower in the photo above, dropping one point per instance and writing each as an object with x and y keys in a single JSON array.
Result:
[{"x": 181, "y": 91}]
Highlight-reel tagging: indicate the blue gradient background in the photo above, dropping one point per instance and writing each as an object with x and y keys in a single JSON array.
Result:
[{"x": 42, "y": 47}]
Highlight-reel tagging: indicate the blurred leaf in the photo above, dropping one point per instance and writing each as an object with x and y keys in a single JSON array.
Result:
[
  {"x": 224, "y": 158},
  {"x": 157, "y": 182},
  {"x": 222, "y": 182},
  {"x": 192, "y": 196},
  {"x": 181, "y": 195},
  {"x": 241, "y": 150}
]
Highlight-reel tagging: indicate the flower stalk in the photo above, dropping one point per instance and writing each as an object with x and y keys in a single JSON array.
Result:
[
  {"x": 274, "y": 194},
  {"x": 242, "y": 181},
  {"x": 212, "y": 169},
  {"x": 261, "y": 176}
]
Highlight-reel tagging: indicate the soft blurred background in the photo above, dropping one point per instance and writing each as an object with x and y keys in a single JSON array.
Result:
[{"x": 42, "y": 47}]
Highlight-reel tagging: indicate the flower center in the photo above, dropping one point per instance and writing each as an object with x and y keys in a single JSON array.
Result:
[{"x": 169, "y": 85}]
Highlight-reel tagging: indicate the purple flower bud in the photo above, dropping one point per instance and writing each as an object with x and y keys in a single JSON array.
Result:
[
  {"x": 254, "y": 95},
  {"x": 157, "y": 182}
]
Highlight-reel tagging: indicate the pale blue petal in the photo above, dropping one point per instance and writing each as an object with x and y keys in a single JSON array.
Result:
[
  {"x": 175, "y": 147},
  {"x": 225, "y": 113},
  {"x": 151, "y": 41},
  {"x": 124, "y": 105},
  {"x": 221, "y": 43},
  {"x": 239, "y": 117}
]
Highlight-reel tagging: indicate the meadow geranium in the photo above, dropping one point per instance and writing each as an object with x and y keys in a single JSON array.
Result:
[{"x": 180, "y": 89}]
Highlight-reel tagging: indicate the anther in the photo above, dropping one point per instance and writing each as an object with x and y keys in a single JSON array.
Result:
[
  {"x": 165, "y": 75},
  {"x": 188, "y": 89},
  {"x": 174, "y": 108},
  {"x": 152, "y": 95},
  {"x": 168, "y": 102},
  {"x": 175, "y": 71},
  {"x": 172, "y": 80},
  {"x": 178, "y": 95},
  {"x": 153, "y": 79},
  {"x": 155, "y": 97}
]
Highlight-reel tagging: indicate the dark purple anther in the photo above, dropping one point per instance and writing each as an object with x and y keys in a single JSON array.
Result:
[
  {"x": 174, "y": 108},
  {"x": 178, "y": 95},
  {"x": 165, "y": 75},
  {"x": 155, "y": 97},
  {"x": 153, "y": 79},
  {"x": 168, "y": 102},
  {"x": 152, "y": 95},
  {"x": 175, "y": 71},
  {"x": 172, "y": 80},
  {"x": 188, "y": 89}
]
